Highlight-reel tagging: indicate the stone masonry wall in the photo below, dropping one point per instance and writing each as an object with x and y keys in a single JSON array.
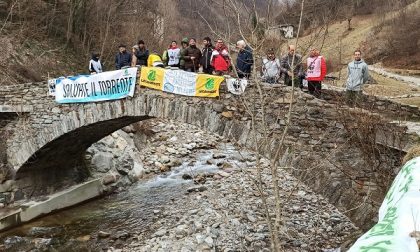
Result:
[
  {"x": 318, "y": 144},
  {"x": 380, "y": 105}
]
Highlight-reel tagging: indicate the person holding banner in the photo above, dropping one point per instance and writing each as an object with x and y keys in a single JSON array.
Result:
[
  {"x": 220, "y": 58},
  {"x": 95, "y": 65},
  {"x": 192, "y": 57},
  {"x": 172, "y": 56},
  {"x": 123, "y": 58}
]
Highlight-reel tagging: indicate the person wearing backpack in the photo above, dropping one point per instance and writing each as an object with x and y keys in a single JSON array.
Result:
[{"x": 316, "y": 71}]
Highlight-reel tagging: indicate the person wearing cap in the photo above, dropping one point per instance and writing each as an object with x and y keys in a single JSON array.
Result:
[
  {"x": 142, "y": 54},
  {"x": 292, "y": 72},
  {"x": 207, "y": 51},
  {"x": 123, "y": 58},
  {"x": 184, "y": 45},
  {"x": 316, "y": 71},
  {"x": 192, "y": 57},
  {"x": 95, "y": 65},
  {"x": 271, "y": 68}
]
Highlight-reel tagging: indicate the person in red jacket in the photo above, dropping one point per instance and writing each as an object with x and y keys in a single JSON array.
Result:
[
  {"x": 316, "y": 71},
  {"x": 220, "y": 58}
]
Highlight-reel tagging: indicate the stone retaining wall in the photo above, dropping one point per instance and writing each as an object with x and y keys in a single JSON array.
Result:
[{"x": 379, "y": 105}]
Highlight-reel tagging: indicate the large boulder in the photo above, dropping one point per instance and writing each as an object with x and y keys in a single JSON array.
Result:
[{"x": 103, "y": 161}]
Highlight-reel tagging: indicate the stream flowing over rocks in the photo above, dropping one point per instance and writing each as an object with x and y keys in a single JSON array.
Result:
[{"x": 182, "y": 189}]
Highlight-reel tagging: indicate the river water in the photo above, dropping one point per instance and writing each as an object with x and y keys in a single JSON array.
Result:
[{"x": 122, "y": 215}]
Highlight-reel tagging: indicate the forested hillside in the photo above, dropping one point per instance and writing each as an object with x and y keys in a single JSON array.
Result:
[{"x": 56, "y": 37}]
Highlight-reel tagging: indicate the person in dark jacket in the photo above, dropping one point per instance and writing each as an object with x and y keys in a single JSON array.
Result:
[
  {"x": 184, "y": 46},
  {"x": 142, "y": 54},
  {"x": 289, "y": 69},
  {"x": 123, "y": 58},
  {"x": 206, "y": 56},
  {"x": 244, "y": 61},
  {"x": 192, "y": 57}
]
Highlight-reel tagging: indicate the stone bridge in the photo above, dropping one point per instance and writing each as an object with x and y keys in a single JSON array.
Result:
[{"x": 44, "y": 142}]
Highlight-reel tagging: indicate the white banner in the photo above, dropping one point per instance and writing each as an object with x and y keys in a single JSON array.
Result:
[
  {"x": 51, "y": 87},
  {"x": 236, "y": 86},
  {"x": 179, "y": 82},
  {"x": 399, "y": 215},
  {"x": 110, "y": 85}
]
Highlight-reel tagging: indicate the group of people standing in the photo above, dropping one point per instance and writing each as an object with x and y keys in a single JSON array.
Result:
[
  {"x": 292, "y": 67},
  {"x": 210, "y": 59},
  {"x": 216, "y": 60}
]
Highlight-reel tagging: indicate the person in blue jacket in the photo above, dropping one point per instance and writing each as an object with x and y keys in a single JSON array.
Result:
[
  {"x": 244, "y": 61},
  {"x": 123, "y": 58}
]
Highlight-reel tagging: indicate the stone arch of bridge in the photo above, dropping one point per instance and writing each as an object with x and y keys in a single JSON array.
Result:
[{"x": 57, "y": 150}]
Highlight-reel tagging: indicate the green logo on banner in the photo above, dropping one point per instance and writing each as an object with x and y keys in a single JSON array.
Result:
[
  {"x": 151, "y": 76},
  {"x": 126, "y": 72},
  {"x": 209, "y": 84}
]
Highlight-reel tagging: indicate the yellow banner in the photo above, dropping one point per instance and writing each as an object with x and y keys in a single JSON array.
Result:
[
  {"x": 208, "y": 85},
  {"x": 152, "y": 77},
  {"x": 180, "y": 82}
]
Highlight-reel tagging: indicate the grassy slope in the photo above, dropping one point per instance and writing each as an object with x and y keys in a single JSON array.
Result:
[
  {"x": 358, "y": 37},
  {"x": 25, "y": 59}
]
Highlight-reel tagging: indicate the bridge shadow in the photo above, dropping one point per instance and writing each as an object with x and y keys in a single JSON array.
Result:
[{"x": 61, "y": 162}]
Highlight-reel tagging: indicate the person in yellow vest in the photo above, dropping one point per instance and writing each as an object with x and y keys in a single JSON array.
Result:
[{"x": 154, "y": 60}]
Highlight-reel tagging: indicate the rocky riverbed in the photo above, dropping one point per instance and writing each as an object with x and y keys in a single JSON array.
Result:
[{"x": 182, "y": 189}]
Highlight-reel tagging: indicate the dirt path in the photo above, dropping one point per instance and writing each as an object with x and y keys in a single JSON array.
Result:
[{"x": 398, "y": 77}]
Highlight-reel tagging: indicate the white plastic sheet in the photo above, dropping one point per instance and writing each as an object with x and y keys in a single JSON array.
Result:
[{"x": 399, "y": 215}]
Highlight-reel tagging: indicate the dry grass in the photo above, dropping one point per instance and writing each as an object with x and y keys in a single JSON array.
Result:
[
  {"x": 389, "y": 87},
  {"x": 412, "y": 153},
  {"x": 409, "y": 101},
  {"x": 339, "y": 38},
  {"x": 350, "y": 40}
]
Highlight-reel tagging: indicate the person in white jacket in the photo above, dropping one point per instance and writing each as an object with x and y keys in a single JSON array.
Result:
[
  {"x": 95, "y": 65},
  {"x": 172, "y": 56},
  {"x": 271, "y": 68}
]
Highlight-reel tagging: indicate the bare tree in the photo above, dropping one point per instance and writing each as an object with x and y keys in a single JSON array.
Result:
[{"x": 247, "y": 21}]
